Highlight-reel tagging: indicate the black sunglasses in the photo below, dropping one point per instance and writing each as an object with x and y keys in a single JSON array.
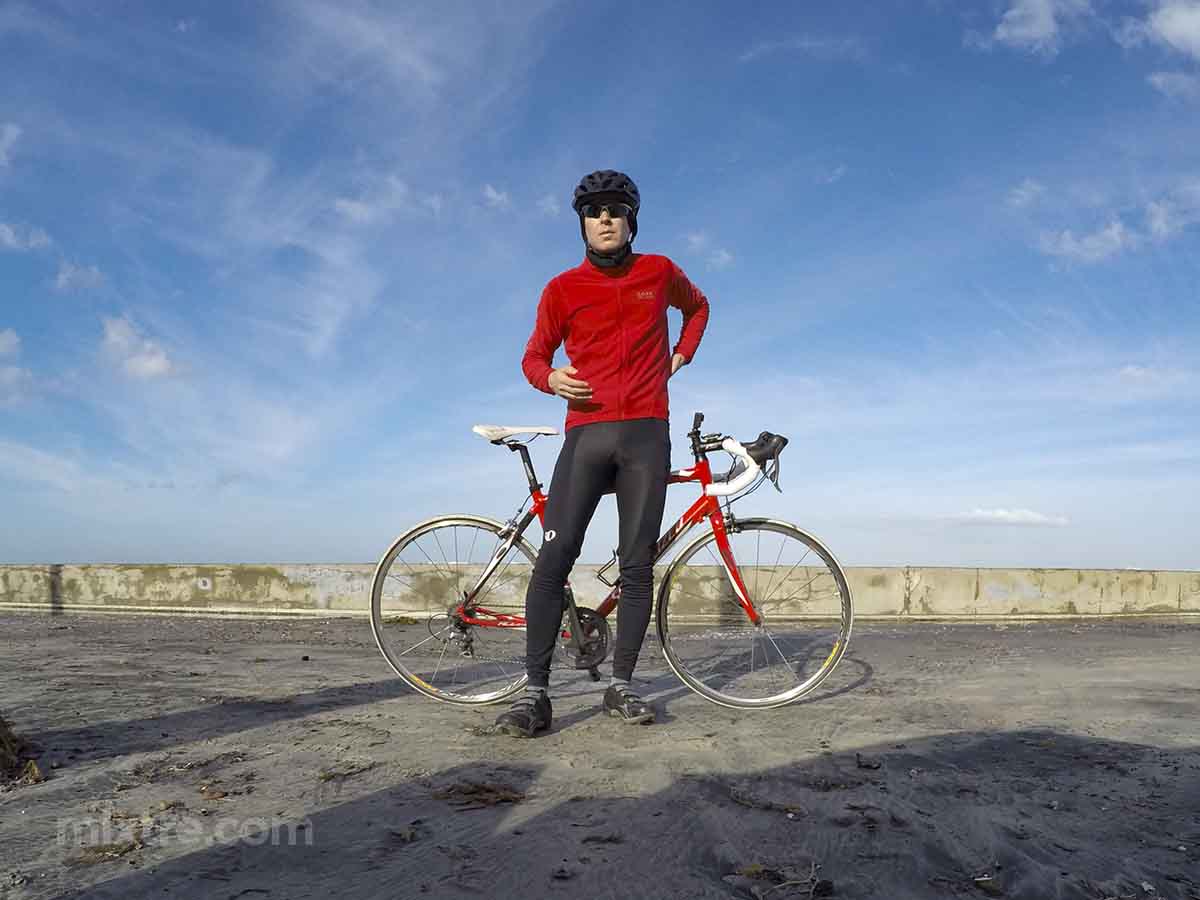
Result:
[{"x": 615, "y": 210}]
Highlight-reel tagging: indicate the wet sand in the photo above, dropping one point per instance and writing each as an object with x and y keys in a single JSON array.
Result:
[{"x": 210, "y": 758}]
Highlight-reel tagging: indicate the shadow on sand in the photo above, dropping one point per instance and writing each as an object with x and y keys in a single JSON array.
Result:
[{"x": 1019, "y": 814}]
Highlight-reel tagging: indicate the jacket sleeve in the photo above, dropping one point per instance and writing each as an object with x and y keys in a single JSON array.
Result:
[
  {"x": 546, "y": 338},
  {"x": 687, "y": 298}
]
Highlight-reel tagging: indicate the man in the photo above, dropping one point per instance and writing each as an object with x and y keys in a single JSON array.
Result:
[{"x": 611, "y": 312}]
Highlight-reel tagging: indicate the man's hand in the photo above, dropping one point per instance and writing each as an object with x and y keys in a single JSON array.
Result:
[
  {"x": 677, "y": 363},
  {"x": 567, "y": 387}
]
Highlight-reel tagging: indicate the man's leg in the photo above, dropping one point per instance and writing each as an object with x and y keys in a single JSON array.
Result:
[
  {"x": 582, "y": 475},
  {"x": 644, "y": 462}
]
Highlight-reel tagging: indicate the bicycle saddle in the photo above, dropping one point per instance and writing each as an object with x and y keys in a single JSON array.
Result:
[{"x": 500, "y": 432}]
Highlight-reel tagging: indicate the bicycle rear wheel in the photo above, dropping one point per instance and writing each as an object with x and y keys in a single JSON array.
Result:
[
  {"x": 803, "y": 601},
  {"x": 418, "y": 587}
]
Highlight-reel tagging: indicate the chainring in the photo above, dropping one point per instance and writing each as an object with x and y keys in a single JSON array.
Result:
[{"x": 596, "y": 635}]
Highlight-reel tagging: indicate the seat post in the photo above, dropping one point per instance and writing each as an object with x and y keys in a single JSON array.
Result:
[{"x": 534, "y": 484}]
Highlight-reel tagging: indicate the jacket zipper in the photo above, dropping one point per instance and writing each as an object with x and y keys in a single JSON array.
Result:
[{"x": 621, "y": 369}]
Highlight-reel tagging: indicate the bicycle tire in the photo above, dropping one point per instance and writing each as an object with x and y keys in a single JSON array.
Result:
[
  {"x": 690, "y": 611},
  {"x": 408, "y": 671}
]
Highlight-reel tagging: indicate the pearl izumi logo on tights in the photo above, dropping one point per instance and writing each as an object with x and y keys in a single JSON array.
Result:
[{"x": 551, "y": 535}]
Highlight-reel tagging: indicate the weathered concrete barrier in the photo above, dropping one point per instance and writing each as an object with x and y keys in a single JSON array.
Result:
[{"x": 912, "y": 592}]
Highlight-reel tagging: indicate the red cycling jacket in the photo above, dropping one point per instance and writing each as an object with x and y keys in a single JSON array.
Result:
[{"x": 614, "y": 324}]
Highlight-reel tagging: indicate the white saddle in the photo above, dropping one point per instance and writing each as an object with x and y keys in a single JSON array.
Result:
[{"x": 499, "y": 432}]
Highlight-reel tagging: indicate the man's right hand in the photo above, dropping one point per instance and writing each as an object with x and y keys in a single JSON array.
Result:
[{"x": 567, "y": 387}]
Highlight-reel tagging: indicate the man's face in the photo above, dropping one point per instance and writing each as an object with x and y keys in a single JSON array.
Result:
[{"x": 606, "y": 234}]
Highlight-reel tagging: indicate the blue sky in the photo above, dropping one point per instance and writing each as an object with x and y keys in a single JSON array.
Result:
[{"x": 262, "y": 266}]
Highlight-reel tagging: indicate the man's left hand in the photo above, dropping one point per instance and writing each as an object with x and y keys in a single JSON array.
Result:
[{"x": 677, "y": 362}]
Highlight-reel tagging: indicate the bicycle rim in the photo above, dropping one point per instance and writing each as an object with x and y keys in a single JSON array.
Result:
[
  {"x": 419, "y": 583},
  {"x": 803, "y": 601}
]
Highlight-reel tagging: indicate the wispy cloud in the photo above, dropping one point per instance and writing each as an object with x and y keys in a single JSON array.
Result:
[
  {"x": 14, "y": 237},
  {"x": 833, "y": 175},
  {"x": 494, "y": 198},
  {"x": 815, "y": 46},
  {"x": 15, "y": 383},
  {"x": 1176, "y": 85},
  {"x": 386, "y": 198},
  {"x": 71, "y": 277},
  {"x": 1177, "y": 24},
  {"x": 1035, "y": 26},
  {"x": 1089, "y": 248},
  {"x": 700, "y": 243},
  {"x": 720, "y": 259},
  {"x": 549, "y": 205},
  {"x": 9, "y": 132},
  {"x": 10, "y": 342},
  {"x": 29, "y": 464},
  {"x": 1025, "y": 194},
  {"x": 135, "y": 355},
  {"x": 14, "y": 380},
  {"x": 1002, "y": 516}
]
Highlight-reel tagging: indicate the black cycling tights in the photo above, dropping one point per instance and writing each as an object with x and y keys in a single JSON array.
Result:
[{"x": 633, "y": 458}]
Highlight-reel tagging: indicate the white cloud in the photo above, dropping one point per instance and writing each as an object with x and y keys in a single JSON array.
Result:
[
  {"x": 1036, "y": 25},
  {"x": 14, "y": 384},
  {"x": 29, "y": 464},
  {"x": 13, "y": 237},
  {"x": 1162, "y": 220},
  {"x": 1002, "y": 516},
  {"x": 10, "y": 343},
  {"x": 494, "y": 198},
  {"x": 1025, "y": 193},
  {"x": 549, "y": 205},
  {"x": 380, "y": 205},
  {"x": 700, "y": 242},
  {"x": 138, "y": 357},
  {"x": 836, "y": 174},
  {"x": 77, "y": 278},
  {"x": 1090, "y": 248},
  {"x": 9, "y": 132},
  {"x": 185, "y": 25},
  {"x": 720, "y": 259},
  {"x": 1176, "y": 85},
  {"x": 1177, "y": 24},
  {"x": 828, "y": 48}
]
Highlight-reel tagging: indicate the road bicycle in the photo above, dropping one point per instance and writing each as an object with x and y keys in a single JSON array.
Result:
[{"x": 751, "y": 613}]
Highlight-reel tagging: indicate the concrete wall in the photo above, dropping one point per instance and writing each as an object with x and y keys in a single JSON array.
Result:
[{"x": 897, "y": 593}]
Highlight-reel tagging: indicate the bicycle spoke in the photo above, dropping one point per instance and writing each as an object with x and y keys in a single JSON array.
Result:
[
  {"x": 777, "y": 559},
  {"x": 440, "y": 658},
  {"x": 786, "y": 662},
  {"x": 789, "y": 575},
  {"x": 457, "y": 566}
]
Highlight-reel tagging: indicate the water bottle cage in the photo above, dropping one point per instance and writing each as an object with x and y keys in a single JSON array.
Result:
[{"x": 602, "y": 573}]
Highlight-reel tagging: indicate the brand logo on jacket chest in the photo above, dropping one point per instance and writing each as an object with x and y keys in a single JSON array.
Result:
[{"x": 645, "y": 295}]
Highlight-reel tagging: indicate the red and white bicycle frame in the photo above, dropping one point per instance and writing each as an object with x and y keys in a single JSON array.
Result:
[{"x": 708, "y": 507}]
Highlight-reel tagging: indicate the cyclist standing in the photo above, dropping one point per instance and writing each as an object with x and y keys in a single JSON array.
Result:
[{"x": 611, "y": 312}]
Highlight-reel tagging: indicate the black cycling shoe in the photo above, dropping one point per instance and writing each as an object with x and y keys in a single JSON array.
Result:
[
  {"x": 526, "y": 717},
  {"x": 622, "y": 703}
]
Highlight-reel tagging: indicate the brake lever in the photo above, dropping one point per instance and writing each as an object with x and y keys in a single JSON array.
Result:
[{"x": 774, "y": 474}]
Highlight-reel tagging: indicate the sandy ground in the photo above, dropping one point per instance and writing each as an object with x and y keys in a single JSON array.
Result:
[{"x": 279, "y": 759}]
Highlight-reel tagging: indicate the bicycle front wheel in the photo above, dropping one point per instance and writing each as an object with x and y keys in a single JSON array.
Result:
[
  {"x": 805, "y": 616},
  {"x": 470, "y": 656}
]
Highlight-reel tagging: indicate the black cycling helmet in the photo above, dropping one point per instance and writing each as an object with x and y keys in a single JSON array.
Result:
[{"x": 607, "y": 184}]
